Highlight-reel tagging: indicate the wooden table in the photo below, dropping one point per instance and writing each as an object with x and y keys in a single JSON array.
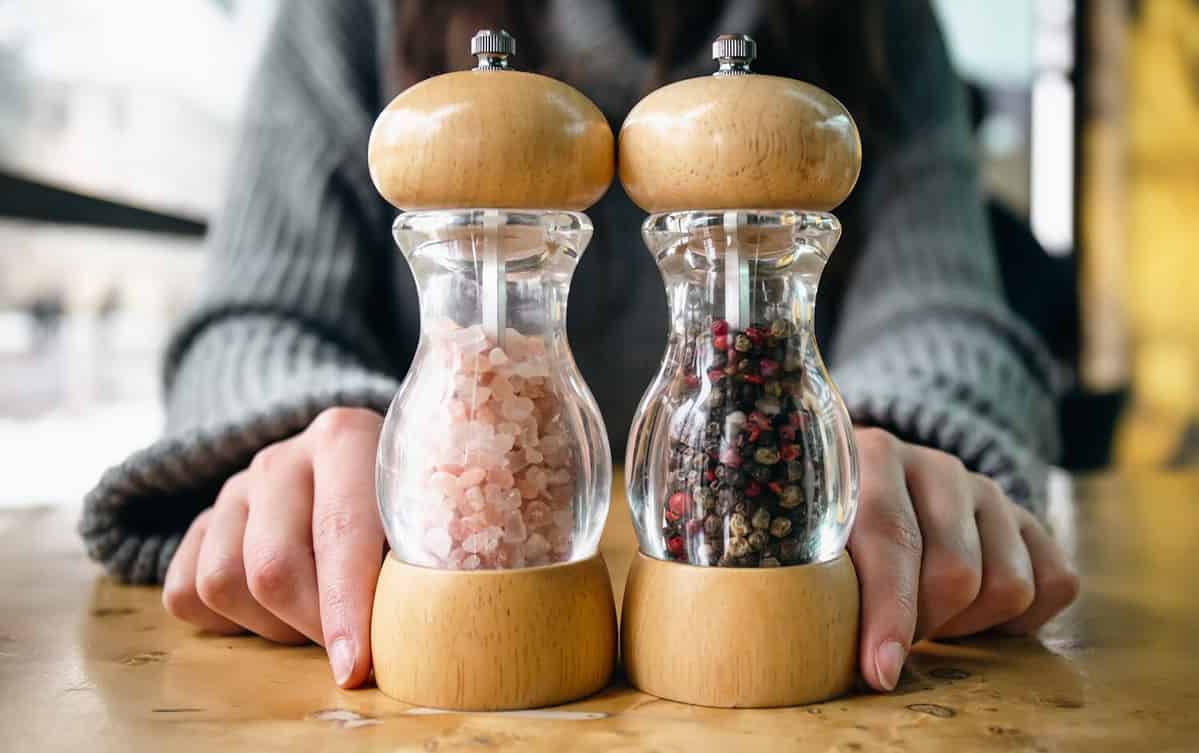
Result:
[{"x": 89, "y": 665}]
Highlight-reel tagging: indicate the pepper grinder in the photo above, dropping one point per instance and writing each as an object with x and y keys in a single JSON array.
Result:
[
  {"x": 741, "y": 470},
  {"x": 494, "y": 471}
]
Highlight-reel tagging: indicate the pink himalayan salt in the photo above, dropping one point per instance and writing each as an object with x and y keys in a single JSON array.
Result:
[
  {"x": 510, "y": 556},
  {"x": 501, "y": 477},
  {"x": 484, "y": 541},
  {"x": 472, "y": 477},
  {"x": 536, "y": 547},
  {"x": 528, "y": 489},
  {"x": 536, "y": 514},
  {"x": 473, "y": 499},
  {"x": 515, "y": 449},
  {"x": 514, "y": 528},
  {"x": 438, "y": 542},
  {"x": 517, "y": 409}
]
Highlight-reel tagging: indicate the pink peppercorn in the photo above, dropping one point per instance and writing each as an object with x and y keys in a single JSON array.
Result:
[
  {"x": 720, "y": 327},
  {"x": 674, "y": 545}
]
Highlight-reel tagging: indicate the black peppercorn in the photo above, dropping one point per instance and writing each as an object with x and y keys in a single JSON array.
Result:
[
  {"x": 761, "y": 519},
  {"x": 739, "y": 525},
  {"x": 757, "y": 540}
]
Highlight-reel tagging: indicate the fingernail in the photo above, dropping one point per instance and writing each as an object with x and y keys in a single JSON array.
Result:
[
  {"x": 888, "y": 661},
  {"x": 341, "y": 656}
]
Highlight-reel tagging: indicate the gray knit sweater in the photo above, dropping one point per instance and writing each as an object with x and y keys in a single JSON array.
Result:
[{"x": 307, "y": 305}]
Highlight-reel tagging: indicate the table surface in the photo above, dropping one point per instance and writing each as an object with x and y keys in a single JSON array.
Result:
[{"x": 90, "y": 665}]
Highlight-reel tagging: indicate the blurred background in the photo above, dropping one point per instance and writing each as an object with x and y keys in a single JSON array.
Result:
[{"x": 117, "y": 121}]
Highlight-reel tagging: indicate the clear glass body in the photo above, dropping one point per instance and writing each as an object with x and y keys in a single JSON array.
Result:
[
  {"x": 741, "y": 452},
  {"x": 493, "y": 453}
]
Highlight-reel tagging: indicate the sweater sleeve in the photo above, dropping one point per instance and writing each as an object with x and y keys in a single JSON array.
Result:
[
  {"x": 926, "y": 346},
  {"x": 282, "y": 329}
]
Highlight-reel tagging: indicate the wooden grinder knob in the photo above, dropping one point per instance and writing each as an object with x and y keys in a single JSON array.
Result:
[
  {"x": 738, "y": 140},
  {"x": 491, "y": 137}
]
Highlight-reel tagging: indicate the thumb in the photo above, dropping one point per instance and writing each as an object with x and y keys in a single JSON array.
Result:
[{"x": 886, "y": 547}]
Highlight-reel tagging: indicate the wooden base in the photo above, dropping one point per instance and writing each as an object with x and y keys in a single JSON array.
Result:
[
  {"x": 487, "y": 640},
  {"x": 741, "y": 637}
]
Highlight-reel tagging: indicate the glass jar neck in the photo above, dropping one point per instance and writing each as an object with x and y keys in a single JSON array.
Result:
[
  {"x": 747, "y": 268},
  {"x": 497, "y": 269}
]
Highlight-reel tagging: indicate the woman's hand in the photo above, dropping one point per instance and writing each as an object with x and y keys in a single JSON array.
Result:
[
  {"x": 942, "y": 552},
  {"x": 291, "y": 549}
]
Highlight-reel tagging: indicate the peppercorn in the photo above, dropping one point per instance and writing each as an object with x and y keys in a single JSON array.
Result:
[
  {"x": 720, "y": 327},
  {"x": 675, "y": 546},
  {"x": 780, "y": 328},
  {"x": 768, "y": 561},
  {"x": 712, "y": 526},
  {"x": 791, "y": 497},
  {"x": 761, "y": 519},
  {"x": 757, "y": 540},
  {"x": 790, "y": 550},
  {"x": 742, "y": 344},
  {"x": 738, "y": 546},
  {"x": 794, "y": 470},
  {"x": 766, "y": 455},
  {"x": 738, "y": 525},
  {"x": 780, "y": 527}
]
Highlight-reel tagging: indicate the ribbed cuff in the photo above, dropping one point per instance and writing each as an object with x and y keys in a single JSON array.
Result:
[
  {"x": 243, "y": 384},
  {"x": 932, "y": 421}
]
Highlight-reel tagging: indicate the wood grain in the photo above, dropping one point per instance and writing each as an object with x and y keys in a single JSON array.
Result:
[
  {"x": 493, "y": 139},
  {"x": 741, "y": 637},
  {"x": 739, "y": 142},
  {"x": 488, "y": 640},
  {"x": 89, "y": 665}
]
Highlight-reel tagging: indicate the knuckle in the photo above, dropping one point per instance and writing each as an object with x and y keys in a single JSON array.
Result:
[
  {"x": 218, "y": 587},
  {"x": 266, "y": 459},
  {"x": 1062, "y": 587},
  {"x": 989, "y": 489},
  {"x": 333, "y": 524},
  {"x": 1010, "y": 596},
  {"x": 333, "y": 423},
  {"x": 231, "y": 489},
  {"x": 874, "y": 442},
  {"x": 272, "y": 575},
  {"x": 955, "y": 582},
  {"x": 180, "y": 600}
]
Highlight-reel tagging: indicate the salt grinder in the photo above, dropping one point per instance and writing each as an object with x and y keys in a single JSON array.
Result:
[
  {"x": 494, "y": 470},
  {"x": 741, "y": 469}
]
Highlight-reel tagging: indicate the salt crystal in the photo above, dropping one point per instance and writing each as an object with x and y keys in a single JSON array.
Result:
[
  {"x": 444, "y": 482},
  {"x": 470, "y": 338},
  {"x": 517, "y": 408},
  {"x": 536, "y": 547},
  {"x": 501, "y": 477},
  {"x": 537, "y": 514},
  {"x": 471, "y": 562},
  {"x": 474, "y": 498},
  {"x": 472, "y": 477},
  {"x": 438, "y": 542},
  {"x": 502, "y": 389},
  {"x": 514, "y": 527},
  {"x": 533, "y": 456},
  {"x": 528, "y": 489},
  {"x": 457, "y": 529},
  {"x": 517, "y": 461},
  {"x": 564, "y": 520},
  {"x": 497, "y": 357},
  {"x": 511, "y": 499}
]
